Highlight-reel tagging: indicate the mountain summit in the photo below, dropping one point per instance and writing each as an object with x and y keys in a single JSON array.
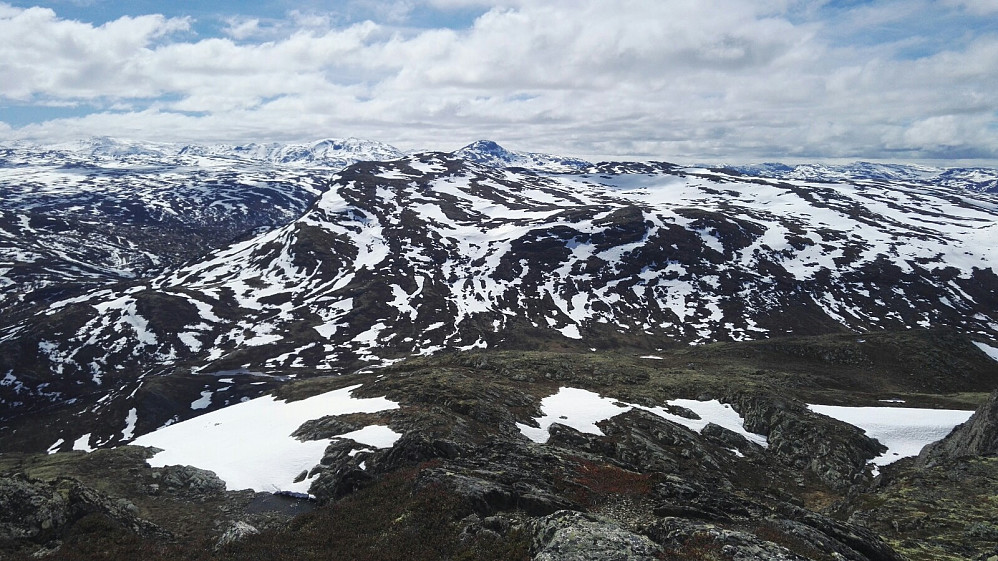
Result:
[{"x": 489, "y": 153}]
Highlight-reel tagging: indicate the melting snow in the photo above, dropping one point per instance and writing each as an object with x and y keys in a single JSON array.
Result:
[
  {"x": 83, "y": 443},
  {"x": 249, "y": 445},
  {"x": 903, "y": 430},
  {"x": 582, "y": 409},
  {"x": 133, "y": 417},
  {"x": 571, "y": 331},
  {"x": 55, "y": 446},
  {"x": 203, "y": 402},
  {"x": 991, "y": 351}
]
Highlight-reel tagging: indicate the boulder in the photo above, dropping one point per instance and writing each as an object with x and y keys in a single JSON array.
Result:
[
  {"x": 42, "y": 511},
  {"x": 188, "y": 482},
  {"x": 977, "y": 437},
  {"x": 236, "y": 533}
]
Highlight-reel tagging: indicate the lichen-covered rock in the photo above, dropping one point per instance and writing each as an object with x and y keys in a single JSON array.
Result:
[
  {"x": 30, "y": 509},
  {"x": 189, "y": 482},
  {"x": 977, "y": 437},
  {"x": 340, "y": 471},
  {"x": 687, "y": 539},
  {"x": 486, "y": 496},
  {"x": 325, "y": 427},
  {"x": 731, "y": 440},
  {"x": 41, "y": 512},
  {"x": 574, "y": 536},
  {"x": 237, "y": 532},
  {"x": 415, "y": 447},
  {"x": 834, "y": 451}
]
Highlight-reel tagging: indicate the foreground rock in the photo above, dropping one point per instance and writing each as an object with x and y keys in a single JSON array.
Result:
[
  {"x": 574, "y": 536},
  {"x": 42, "y": 512},
  {"x": 977, "y": 437}
]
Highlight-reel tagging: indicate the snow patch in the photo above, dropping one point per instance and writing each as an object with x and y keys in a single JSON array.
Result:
[
  {"x": 903, "y": 430},
  {"x": 988, "y": 349},
  {"x": 582, "y": 409},
  {"x": 203, "y": 402},
  {"x": 83, "y": 443},
  {"x": 130, "y": 420},
  {"x": 249, "y": 445}
]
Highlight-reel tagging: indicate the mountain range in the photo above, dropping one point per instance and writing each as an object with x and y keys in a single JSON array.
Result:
[{"x": 147, "y": 284}]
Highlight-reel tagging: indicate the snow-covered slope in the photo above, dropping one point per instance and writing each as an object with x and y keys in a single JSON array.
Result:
[
  {"x": 975, "y": 179},
  {"x": 489, "y": 153},
  {"x": 326, "y": 272},
  {"x": 96, "y": 211},
  {"x": 333, "y": 153}
]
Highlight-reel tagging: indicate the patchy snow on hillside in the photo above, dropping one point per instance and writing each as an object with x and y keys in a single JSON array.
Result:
[
  {"x": 582, "y": 409},
  {"x": 249, "y": 445},
  {"x": 903, "y": 430},
  {"x": 988, "y": 349}
]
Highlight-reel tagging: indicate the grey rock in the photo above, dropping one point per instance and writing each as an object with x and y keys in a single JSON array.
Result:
[
  {"x": 236, "y": 533},
  {"x": 574, "y": 536},
  {"x": 189, "y": 482},
  {"x": 30, "y": 509},
  {"x": 41, "y": 512},
  {"x": 836, "y": 452},
  {"x": 977, "y": 437}
]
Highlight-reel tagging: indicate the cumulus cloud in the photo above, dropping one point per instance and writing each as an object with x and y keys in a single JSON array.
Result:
[{"x": 681, "y": 79}]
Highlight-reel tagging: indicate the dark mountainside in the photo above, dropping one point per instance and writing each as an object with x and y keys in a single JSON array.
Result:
[{"x": 146, "y": 285}]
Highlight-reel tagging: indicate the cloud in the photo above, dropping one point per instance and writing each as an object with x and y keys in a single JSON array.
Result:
[
  {"x": 674, "y": 79},
  {"x": 44, "y": 55},
  {"x": 977, "y": 7},
  {"x": 240, "y": 28}
]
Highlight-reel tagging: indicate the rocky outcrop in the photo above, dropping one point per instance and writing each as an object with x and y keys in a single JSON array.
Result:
[
  {"x": 575, "y": 536},
  {"x": 977, "y": 437},
  {"x": 836, "y": 452},
  {"x": 188, "y": 482},
  {"x": 40, "y": 512},
  {"x": 340, "y": 471},
  {"x": 30, "y": 509}
]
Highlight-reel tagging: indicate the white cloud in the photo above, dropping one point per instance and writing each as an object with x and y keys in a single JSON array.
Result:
[
  {"x": 240, "y": 28},
  {"x": 977, "y": 7},
  {"x": 682, "y": 79}
]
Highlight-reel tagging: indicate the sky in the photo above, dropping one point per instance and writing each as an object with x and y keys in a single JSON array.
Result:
[{"x": 680, "y": 80}]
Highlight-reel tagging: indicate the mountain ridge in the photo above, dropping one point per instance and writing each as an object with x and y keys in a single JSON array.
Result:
[{"x": 430, "y": 252}]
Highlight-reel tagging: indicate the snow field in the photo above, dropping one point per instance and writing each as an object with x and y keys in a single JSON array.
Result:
[
  {"x": 903, "y": 430},
  {"x": 249, "y": 445},
  {"x": 582, "y": 409}
]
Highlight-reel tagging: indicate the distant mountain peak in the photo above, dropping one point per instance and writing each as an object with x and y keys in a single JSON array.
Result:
[{"x": 491, "y": 153}]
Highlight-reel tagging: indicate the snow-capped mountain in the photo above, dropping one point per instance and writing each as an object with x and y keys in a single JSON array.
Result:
[
  {"x": 489, "y": 153},
  {"x": 976, "y": 179},
  {"x": 100, "y": 210},
  {"x": 330, "y": 153},
  {"x": 431, "y": 252}
]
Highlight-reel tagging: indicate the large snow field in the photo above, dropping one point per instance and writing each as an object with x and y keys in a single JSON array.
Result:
[
  {"x": 903, "y": 430},
  {"x": 249, "y": 445}
]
